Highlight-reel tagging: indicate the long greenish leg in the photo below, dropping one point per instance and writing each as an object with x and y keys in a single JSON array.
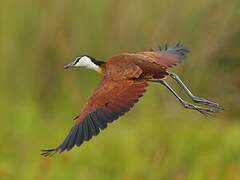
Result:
[
  {"x": 205, "y": 111},
  {"x": 194, "y": 98}
]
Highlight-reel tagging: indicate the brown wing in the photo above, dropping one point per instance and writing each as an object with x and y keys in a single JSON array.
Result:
[{"x": 110, "y": 100}]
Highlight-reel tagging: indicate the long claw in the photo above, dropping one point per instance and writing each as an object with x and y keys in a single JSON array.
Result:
[
  {"x": 204, "y": 111},
  {"x": 208, "y": 103}
]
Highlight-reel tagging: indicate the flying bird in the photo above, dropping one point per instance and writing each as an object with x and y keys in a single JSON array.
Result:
[{"x": 125, "y": 78}]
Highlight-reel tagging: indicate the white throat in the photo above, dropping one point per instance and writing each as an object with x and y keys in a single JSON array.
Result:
[{"x": 87, "y": 63}]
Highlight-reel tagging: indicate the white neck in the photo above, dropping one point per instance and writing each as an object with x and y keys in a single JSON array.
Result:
[{"x": 87, "y": 63}]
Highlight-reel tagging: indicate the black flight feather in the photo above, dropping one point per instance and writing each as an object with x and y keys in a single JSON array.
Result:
[{"x": 84, "y": 131}]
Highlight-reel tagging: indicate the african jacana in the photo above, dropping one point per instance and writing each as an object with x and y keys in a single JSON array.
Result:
[{"x": 125, "y": 78}]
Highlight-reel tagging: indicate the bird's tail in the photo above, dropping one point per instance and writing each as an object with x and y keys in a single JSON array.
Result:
[{"x": 178, "y": 50}]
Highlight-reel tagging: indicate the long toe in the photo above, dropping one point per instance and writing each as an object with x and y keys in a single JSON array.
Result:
[
  {"x": 202, "y": 110},
  {"x": 208, "y": 103},
  {"x": 206, "y": 112}
]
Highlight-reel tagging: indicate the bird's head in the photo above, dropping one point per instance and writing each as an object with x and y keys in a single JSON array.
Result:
[{"x": 87, "y": 62}]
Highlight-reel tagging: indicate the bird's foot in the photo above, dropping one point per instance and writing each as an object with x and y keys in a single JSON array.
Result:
[
  {"x": 202, "y": 110},
  {"x": 208, "y": 103}
]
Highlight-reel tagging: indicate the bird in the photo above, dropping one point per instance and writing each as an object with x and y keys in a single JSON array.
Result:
[{"x": 125, "y": 78}]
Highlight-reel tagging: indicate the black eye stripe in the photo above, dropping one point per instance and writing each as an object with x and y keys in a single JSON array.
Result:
[
  {"x": 95, "y": 61},
  {"x": 77, "y": 60}
]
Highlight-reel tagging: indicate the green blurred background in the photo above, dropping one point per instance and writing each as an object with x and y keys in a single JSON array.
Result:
[{"x": 158, "y": 139}]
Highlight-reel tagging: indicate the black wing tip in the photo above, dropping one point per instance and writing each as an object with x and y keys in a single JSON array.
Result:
[
  {"x": 178, "y": 50},
  {"x": 48, "y": 152},
  {"x": 77, "y": 135},
  {"x": 89, "y": 127}
]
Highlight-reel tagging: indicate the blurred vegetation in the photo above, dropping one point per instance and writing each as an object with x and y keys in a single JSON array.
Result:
[{"x": 158, "y": 139}]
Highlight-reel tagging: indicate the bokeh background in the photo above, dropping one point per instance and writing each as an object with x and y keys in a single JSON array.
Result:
[{"x": 158, "y": 139}]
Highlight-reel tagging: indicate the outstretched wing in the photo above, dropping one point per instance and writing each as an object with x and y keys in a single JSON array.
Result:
[{"x": 110, "y": 100}]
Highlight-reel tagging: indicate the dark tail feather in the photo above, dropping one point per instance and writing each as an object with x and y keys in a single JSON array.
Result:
[{"x": 179, "y": 50}]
